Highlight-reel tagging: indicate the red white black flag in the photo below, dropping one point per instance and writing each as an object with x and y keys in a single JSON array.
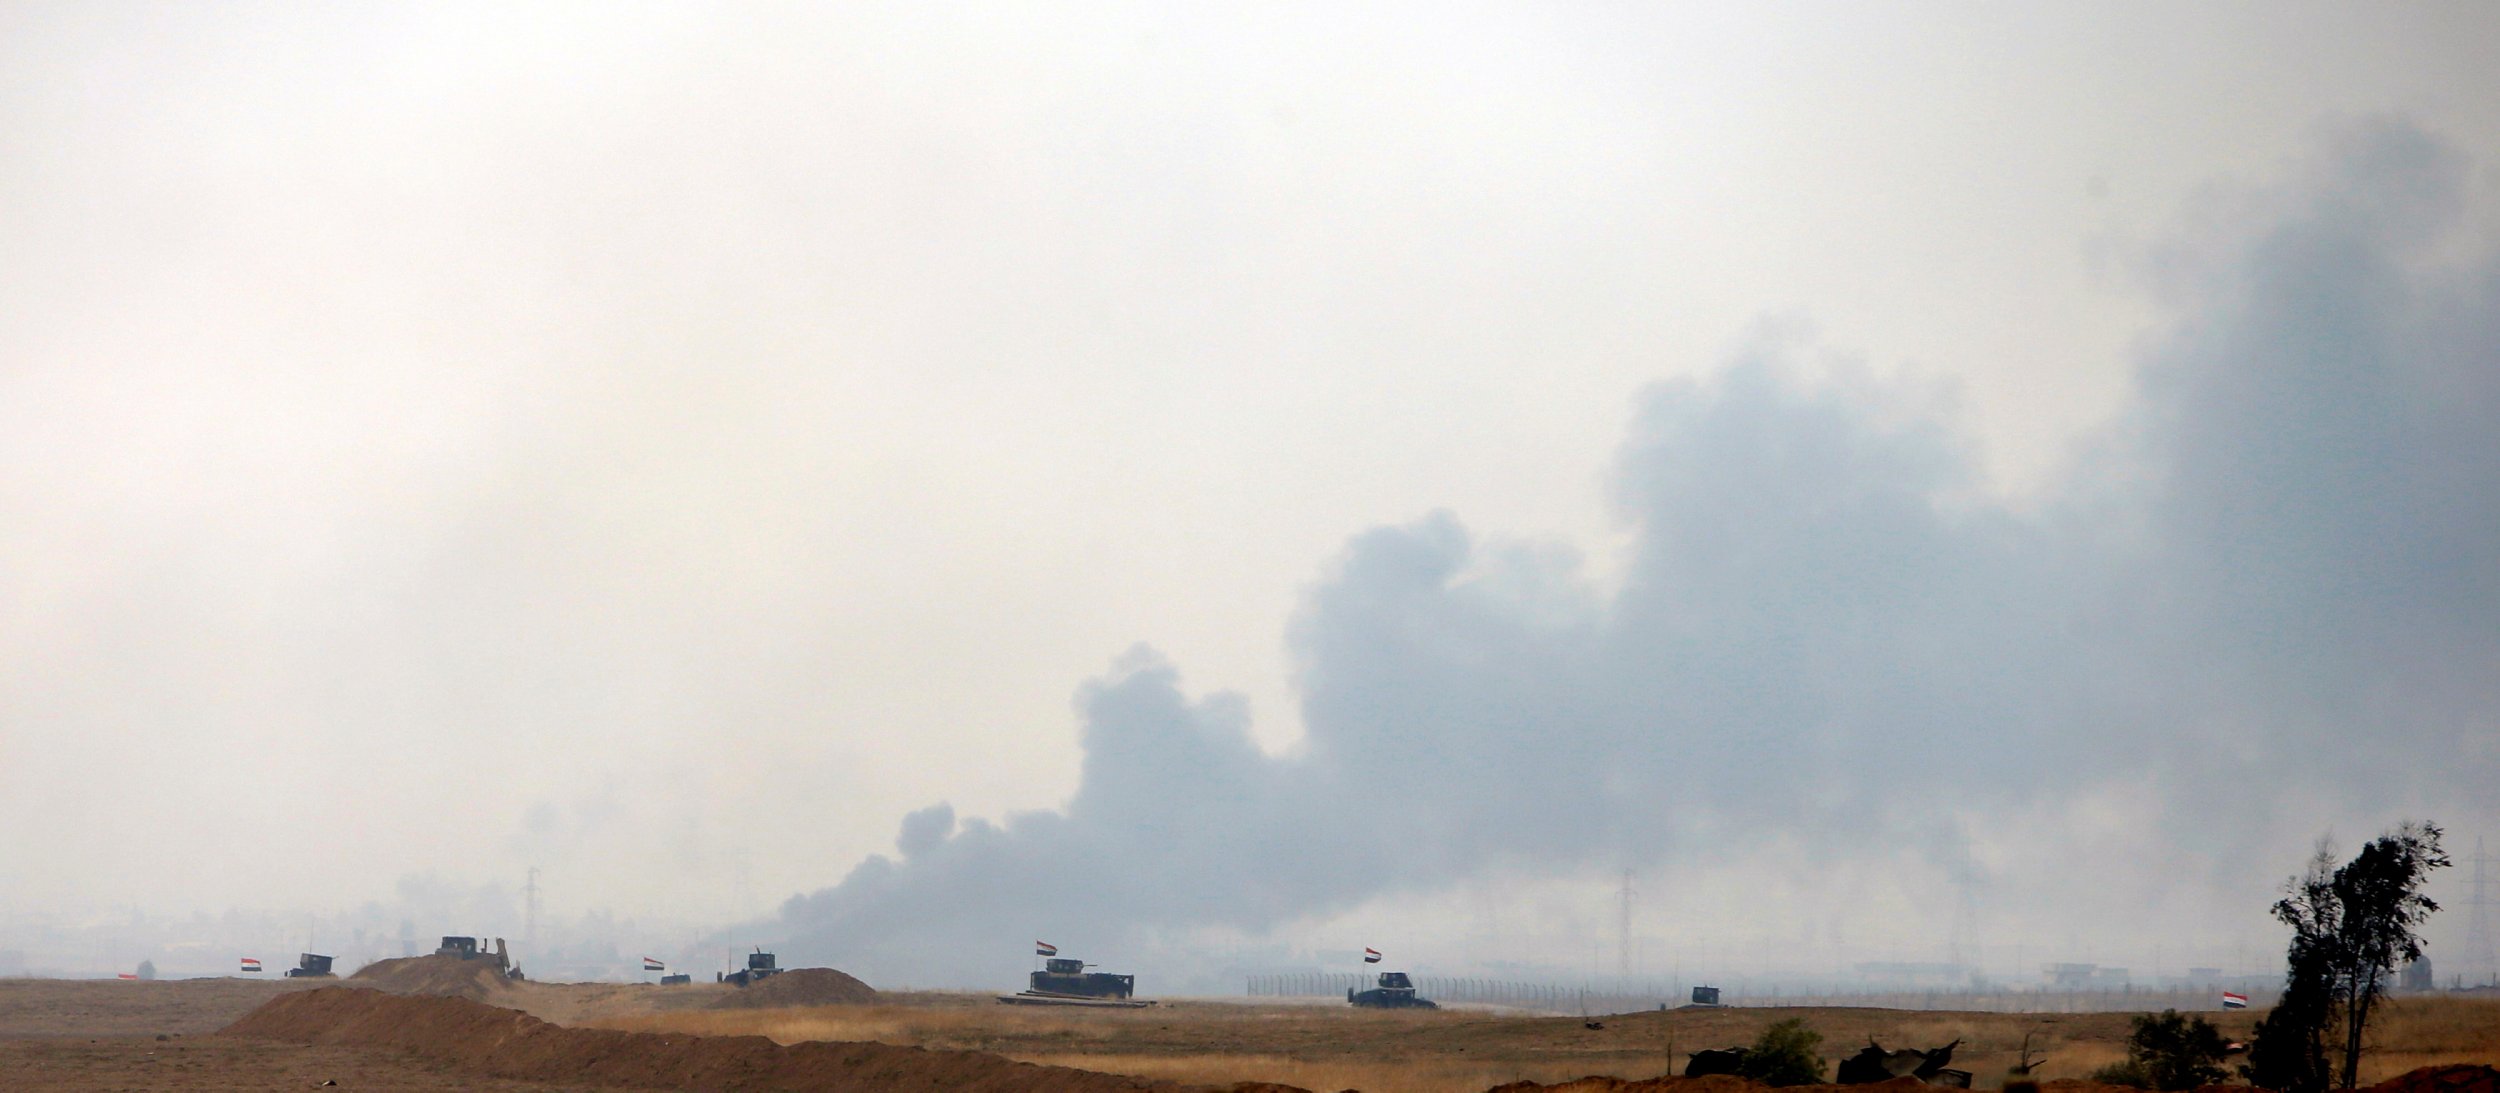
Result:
[
  {"x": 2232, "y": 1001},
  {"x": 1044, "y": 948},
  {"x": 250, "y": 964},
  {"x": 1371, "y": 955},
  {"x": 650, "y": 965}
]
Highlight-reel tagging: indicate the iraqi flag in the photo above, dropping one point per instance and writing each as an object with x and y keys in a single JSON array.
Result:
[
  {"x": 1371, "y": 956},
  {"x": 650, "y": 965},
  {"x": 2232, "y": 1001},
  {"x": 251, "y": 965},
  {"x": 1044, "y": 948}
]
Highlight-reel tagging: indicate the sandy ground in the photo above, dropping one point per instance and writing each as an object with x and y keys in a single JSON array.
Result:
[
  {"x": 83, "y": 1034},
  {"x": 217, "y": 1063},
  {"x": 117, "y": 1007}
]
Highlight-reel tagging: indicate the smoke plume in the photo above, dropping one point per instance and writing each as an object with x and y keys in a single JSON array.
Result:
[{"x": 2278, "y": 571}]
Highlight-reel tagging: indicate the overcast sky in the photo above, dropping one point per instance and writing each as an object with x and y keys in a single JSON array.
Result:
[{"x": 669, "y": 445}]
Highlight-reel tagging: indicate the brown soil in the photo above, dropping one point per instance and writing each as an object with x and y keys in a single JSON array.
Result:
[
  {"x": 218, "y": 1064},
  {"x": 510, "y": 1044},
  {"x": 444, "y": 975},
  {"x": 2460, "y": 1078},
  {"x": 800, "y": 987},
  {"x": 113, "y": 1007}
]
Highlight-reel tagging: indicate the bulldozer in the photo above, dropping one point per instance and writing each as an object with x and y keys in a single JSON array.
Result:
[
  {"x": 1395, "y": 991},
  {"x": 474, "y": 948}
]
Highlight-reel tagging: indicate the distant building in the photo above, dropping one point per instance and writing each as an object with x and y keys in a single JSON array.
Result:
[
  {"x": 2069, "y": 976},
  {"x": 2416, "y": 976}
]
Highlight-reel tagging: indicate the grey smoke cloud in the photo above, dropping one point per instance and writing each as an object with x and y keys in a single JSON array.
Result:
[{"x": 2276, "y": 572}]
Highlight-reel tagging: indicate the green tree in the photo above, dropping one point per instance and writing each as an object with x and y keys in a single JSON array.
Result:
[
  {"x": 2175, "y": 1051},
  {"x": 1787, "y": 1053},
  {"x": 2352, "y": 925}
]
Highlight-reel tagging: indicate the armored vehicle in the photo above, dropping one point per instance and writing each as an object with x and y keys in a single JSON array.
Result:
[
  {"x": 1069, "y": 978},
  {"x": 1064, "y": 982},
  {"x": 759, "y": 967},
  {"x": 1395, "y": 991},
  {"x": 309, "y": 965}
]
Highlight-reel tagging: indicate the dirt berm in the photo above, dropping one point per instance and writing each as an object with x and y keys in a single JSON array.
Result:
[
  {"x": 800, "y": 987},
  {"x": 504, "y": 1043},
  {"x": 446, "y": 975}
]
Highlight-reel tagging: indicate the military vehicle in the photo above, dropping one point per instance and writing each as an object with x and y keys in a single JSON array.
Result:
[
  {"x": 474, "y": 948},
  {"x": 308, "y": 966},
  {"x": 1064, "y": 982},
  {"x": 1069, "y": 977},
  {"x": 1395, "y": 991},
  {"x": 760, "y": 967}
]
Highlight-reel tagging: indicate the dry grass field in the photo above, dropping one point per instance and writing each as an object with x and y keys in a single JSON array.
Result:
[
  {"x": 1330, "y": 1047},
  {"x": 82, "y": 1035}
]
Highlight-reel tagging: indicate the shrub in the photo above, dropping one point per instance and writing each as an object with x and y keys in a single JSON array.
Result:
[
  {"x": 2130, "y": 1072},
  {"x": 2176, "y": 1052},
  {"x": 1787, "y": 1053}
]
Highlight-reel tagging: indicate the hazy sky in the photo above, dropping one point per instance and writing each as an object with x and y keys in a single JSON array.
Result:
[{"x": 668, "y": 445}]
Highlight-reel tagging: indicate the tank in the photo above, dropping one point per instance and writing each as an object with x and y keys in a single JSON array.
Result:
[
  {"x": 1068, "y": 978},
  {"x": 308, "y": 966},
  {"x": 1395, "y": 991}
]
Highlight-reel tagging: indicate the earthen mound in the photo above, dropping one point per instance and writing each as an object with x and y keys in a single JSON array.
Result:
[
  {"x": 445, "y": 975},
  {"x": 2457, "y": 1078},
  {"x": 503, "y": 1043},
  {"x": 800, "y": 987}
]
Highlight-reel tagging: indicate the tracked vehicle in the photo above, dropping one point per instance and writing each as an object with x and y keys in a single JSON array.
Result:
[
  {"x": 1395, "y": 991},
  {"x": 1064, "y": 982}
]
